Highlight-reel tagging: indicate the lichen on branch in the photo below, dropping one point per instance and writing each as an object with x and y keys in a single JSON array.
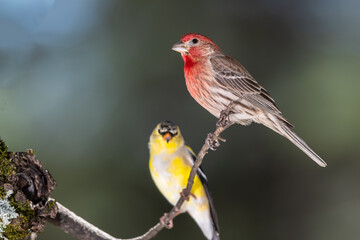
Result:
[
  {"x": 7, "y": 212},
  {"x": 24, "y": 190}
]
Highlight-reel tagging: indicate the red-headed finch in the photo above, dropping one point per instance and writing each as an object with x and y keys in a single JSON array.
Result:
[{"x": 215, "y": 80}]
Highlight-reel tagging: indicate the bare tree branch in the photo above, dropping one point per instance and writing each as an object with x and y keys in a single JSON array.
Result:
[
  {"x": 81, "y": 229},
  {"x": 77, "y": 226}
]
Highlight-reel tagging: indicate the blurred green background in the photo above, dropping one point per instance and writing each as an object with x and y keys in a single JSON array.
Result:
[{"x": 84, "y": 83}]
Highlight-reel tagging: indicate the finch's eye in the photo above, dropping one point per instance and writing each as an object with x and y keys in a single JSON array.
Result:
[
  {"x": 195, "y": 40},
  {"x": 173, "y": 132}
]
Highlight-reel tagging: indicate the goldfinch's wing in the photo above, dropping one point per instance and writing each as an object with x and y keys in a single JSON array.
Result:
[{"x": 203, "y": 180}]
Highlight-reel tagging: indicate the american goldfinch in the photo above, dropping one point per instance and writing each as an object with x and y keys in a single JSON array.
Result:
[{"x": 170, "y": 165}]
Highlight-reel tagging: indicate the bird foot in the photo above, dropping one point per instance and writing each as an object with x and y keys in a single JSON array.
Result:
[
  {"x": 224, "y": 119},
  {"x": 166, "y": 223},
  {"x": 214, "y": 141}
]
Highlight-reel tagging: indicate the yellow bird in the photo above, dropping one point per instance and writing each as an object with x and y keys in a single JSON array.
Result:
[{"x": 170, "y": 165}]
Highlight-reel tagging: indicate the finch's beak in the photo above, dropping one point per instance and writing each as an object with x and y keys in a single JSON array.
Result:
[
  {"x": 180, "y": 47},
  {"x": 167, "y": 137}
]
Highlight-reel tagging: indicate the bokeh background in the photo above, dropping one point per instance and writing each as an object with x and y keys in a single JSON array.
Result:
[{"x": 84, "y": 83}]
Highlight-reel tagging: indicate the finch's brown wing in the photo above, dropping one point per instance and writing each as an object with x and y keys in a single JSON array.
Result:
[{"x": 235, "y": 78}]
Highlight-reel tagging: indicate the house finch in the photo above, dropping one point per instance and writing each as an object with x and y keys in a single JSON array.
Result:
[
  {"x": 215, "y": 80},
  {"x": 170, "y": 165}
]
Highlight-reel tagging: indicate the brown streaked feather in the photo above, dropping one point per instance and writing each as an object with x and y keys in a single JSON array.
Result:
[{"x": 237, "y": 79}]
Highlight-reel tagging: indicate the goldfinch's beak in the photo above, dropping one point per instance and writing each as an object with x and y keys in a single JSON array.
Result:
[
  {"x": 167, "y": 137},
  {"x": 180, "y": 47}
]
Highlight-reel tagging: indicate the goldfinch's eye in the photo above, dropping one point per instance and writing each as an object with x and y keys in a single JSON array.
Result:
[
  {"x": 195, "y": 40},
  {"x": 173, "y": 132}
]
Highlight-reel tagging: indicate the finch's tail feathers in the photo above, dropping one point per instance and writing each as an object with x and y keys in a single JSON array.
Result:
[
  {"x": 295, "y": 139},
  {"x": 283, "y": 127},
  {"x": 213, "y": 223}
]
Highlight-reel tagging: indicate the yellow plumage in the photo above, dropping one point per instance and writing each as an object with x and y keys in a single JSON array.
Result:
[{"x": 170, "y": 165}]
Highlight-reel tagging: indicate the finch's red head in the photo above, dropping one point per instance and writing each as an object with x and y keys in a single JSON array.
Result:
[{"x": 195, "y": 46}]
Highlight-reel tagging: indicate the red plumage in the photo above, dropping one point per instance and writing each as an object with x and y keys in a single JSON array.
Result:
[{"x": 214, "y": 80}]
